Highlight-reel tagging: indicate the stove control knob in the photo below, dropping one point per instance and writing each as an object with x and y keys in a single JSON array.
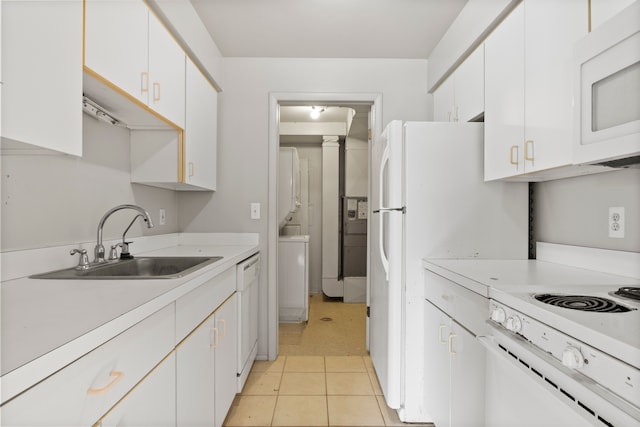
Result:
[
  {"x": 514, "y": 324},
  {"x": 572, "y": 358},
  {"x": 498, "y": 315}
]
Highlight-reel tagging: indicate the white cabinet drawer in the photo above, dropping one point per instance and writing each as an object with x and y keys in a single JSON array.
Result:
[
  {"x": 465, "y": 306},
  {"x": 84, "y": 390},
  {"x": 198, "y": 304}
]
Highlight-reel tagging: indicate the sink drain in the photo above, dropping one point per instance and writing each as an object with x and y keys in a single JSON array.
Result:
[{"x": 326, "y": 319}]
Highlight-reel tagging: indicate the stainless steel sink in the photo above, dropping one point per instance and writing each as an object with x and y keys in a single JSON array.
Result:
[{"x": 136, "y": 268}]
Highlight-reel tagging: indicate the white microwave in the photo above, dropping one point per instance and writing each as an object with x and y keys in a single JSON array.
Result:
[{"x": 607, "y": 92}]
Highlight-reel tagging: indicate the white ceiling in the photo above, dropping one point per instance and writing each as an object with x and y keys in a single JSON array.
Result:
[{"x": 327, "y": 28}]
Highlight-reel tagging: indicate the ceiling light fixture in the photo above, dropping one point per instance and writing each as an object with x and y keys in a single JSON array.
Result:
[{"x": 315, "y": 112}]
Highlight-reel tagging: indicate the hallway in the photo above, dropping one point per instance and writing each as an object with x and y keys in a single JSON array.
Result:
[
  {"x": 334, "y": 329},
  {"x": 323, "y": 376}
]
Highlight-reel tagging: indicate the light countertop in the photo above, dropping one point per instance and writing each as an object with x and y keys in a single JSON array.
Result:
[
  {"x": 491, "y": 277},
  {"x": 47, "y": 324}
]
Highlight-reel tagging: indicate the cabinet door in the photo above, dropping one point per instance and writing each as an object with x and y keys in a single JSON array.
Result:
[
  {"x": 151, "y": 403},
  {"x": 467, "y": 377},
  {"x": 226, "y": 320},
  {"x": 84, "y": 390},
  {"x": 504, "y": 98},
  {"x": 603, "y": 10},
  {"x": 116, "y": 44},
  {"x": 42, "y": 74},
  {"x": 200, "y": 129},
  {"x": 195, "y": 358},
  {"x": 549, "y": 38},
  {"x": 443, "y": 99},
  {"x": 166, "y": 73},
  {"x": 436, "y": 371},
  {"x": 469, "y": 87}
]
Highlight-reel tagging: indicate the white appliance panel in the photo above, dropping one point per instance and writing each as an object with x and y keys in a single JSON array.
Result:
[{"x": 446, "y": 210}]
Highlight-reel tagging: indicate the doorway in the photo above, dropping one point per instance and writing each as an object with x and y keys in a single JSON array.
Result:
[{"x": 372, "y": 102}]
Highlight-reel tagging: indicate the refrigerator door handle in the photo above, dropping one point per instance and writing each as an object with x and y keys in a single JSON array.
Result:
[
  {"x": 383, "y": 255},
  {"x": 384, "y": 161}
]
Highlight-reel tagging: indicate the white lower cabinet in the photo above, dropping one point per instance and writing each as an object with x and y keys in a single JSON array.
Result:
[
  {"x": 195, "y": 364},
  {"x": 151, "y": 403},
  {"x": 206, "y": 369},
  {"x": 177, "y": 367},
  {"x": 454, "y": 394},
  {"x": 81, "y": 393},
  {"x": 226, "y": 358}
]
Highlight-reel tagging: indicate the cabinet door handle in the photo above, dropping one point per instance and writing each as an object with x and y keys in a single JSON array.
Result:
[
  {"x": 213, "y": 338},
  {"x": 156, "y": 92},
  {"x": 440, "y": 329},
  {"x": 144, "y": 82},
  {"x": 456, "y": 117},
  {"x": 451, "y": 337},
  {"x": 526, "y": 149},
  {"x": 192, "y": 169},
  {"x": 223, "y": 322},
  {"x": 116, "y": 376},
  {"x": 513, "y": 148}
]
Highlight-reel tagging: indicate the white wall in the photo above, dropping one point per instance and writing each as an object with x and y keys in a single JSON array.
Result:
[
  {"x": 574, "y": 211},
  {"x": 50, "y": 200},
  {"x": 243, "y": 146}
]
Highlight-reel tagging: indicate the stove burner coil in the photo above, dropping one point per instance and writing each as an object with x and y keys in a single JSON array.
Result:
[
  {"x": 629, "y": 292},
  {"x": 582, "y": 303}
]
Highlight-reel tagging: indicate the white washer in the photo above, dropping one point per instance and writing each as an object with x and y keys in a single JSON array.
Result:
[{"x": 293, "y": 278}]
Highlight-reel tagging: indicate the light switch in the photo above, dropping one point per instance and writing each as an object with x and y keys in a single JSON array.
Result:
[{"x": 255, "y": 210}]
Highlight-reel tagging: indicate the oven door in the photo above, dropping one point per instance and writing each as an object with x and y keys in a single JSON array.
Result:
[{"x": 528, "y": 387}]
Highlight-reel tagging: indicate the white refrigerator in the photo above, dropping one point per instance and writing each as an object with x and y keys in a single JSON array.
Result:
[{"x": 429, "y": 200}]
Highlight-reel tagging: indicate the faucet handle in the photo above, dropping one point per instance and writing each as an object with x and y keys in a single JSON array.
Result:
[
  {"x": 125, "y": 250},
  {"x": 113, "y": 253},
  {"x": 83, "y": 262}
]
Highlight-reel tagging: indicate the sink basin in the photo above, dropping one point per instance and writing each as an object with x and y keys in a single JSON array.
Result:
[{"x": 136, "y": 268}]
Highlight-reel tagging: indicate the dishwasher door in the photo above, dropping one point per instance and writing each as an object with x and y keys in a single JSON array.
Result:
[{"x": 248, "y": 273}]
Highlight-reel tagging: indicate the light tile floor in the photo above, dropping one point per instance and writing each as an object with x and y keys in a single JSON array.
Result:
[
  {"x": 312, "y": 391},
  {"x": 323, "y": 377}
]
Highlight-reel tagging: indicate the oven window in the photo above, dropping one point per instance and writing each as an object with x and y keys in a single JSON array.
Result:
[{"x": 615, "y": 99}]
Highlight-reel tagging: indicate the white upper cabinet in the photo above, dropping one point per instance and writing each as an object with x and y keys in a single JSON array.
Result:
[
  {"x": 166, "y": 73},
  {"x": 602, "y": 10},
  {"x": 444, "y": 101},
  {"x": 201, "y": 130},
  {"x": 504, "y": 98},
  {"x": 460, "y": 98},
  {"x": 181, "y": 160},
  {"x": 528, "y": 96},
  {"x": 42, "y": 74},
  {"x": 469, "y": 82},
  {"x": 128, "y": 49},
  {"x": 116, "y": 44}
]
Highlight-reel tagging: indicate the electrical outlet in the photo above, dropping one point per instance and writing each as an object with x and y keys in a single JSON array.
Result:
[
  {"x": 616, "y": 222},
  {"x": 162, "y": 217},
  {"x": 255, "y": 210}
]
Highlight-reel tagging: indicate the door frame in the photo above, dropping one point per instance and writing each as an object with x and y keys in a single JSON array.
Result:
[{"x": 275, "y": 99}]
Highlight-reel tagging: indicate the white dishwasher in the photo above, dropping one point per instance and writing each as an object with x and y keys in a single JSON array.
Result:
[{"x": 248, "y": 273}]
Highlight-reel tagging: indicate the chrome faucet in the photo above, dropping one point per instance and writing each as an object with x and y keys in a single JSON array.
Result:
[{"x": 99, "y": 249}]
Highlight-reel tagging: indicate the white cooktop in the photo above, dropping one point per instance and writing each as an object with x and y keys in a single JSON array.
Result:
[{"x": 513, "y": 282}]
